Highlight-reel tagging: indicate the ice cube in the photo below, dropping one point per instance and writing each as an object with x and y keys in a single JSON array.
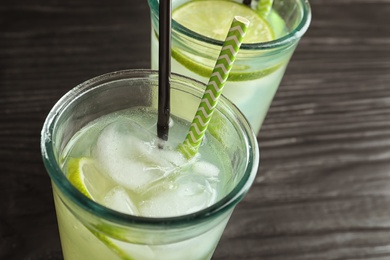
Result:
[
  {"x": 206, "y": 169},
  {"x": 187, "y": 194},
  {"x": 129, "y": 156},
  {"x": 118, "y": 199}
]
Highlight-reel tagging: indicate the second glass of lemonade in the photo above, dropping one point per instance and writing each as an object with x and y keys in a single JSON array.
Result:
[
  {"x": 199, "y": 27},
  {"x": 122, "y": 194}
]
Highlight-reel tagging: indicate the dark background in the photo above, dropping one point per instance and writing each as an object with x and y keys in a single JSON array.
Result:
[{"x": 323, "y": 188}]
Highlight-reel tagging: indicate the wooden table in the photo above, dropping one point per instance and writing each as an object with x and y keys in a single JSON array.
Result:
[{"x": 323, "y": 188}]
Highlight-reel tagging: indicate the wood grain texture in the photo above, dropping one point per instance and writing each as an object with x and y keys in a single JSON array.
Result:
[{"x": 323, "y": 188}]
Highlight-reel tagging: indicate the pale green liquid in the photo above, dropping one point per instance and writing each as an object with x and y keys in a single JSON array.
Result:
[
  {"x": 80, "y": 243},
  {"x": 253, "y": 97}
]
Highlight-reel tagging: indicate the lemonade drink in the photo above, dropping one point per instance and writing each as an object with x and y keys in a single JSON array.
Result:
[
  {"x": 104, "y": 160},
  {"x": 119, "y": 196},
  {"x": 198, "y": 29}
]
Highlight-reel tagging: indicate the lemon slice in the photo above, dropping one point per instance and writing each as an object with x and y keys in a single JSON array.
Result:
[{"x": 213, "y": 19}]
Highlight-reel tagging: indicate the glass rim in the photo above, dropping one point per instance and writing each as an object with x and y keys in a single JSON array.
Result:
[
  {"x": 286, "y": 40},
  {"x": 58, "y": 177}
]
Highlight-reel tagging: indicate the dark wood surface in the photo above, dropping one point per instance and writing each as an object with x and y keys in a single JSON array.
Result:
[{"x": 323, "y": 188}]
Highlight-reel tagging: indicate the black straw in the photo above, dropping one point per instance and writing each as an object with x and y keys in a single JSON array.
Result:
[
  {"x": 165, "y": 10},
  {"x": 247, "y": 2}
]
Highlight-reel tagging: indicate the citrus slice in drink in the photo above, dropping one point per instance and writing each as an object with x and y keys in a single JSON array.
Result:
[
  {"x": 212, "y": 19},
  {"x": 84, "y": 174}
]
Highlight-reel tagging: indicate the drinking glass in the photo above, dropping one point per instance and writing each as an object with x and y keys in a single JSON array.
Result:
[
  {"x": 89, "y": 230},
  {"x": 258, "y": 68}
]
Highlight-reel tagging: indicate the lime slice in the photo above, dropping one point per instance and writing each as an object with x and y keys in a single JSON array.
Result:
[
  {"x": 82, "y": 172},
  {"x": 237, "y": 74},
  {"x": 213, "y": 19}
]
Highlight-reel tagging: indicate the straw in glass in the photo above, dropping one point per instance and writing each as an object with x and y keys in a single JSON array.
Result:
[
  {"x": 264, "y": 7},
  {"x": 247, "y": 2},
  {"x": 214, "y": 87},
  {"x": 165, "y": 13}
]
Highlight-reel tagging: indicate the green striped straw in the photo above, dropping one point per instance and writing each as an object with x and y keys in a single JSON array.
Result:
[
  {"x": 214, "y": 87},
  {"x": 264, "y": 7}
]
